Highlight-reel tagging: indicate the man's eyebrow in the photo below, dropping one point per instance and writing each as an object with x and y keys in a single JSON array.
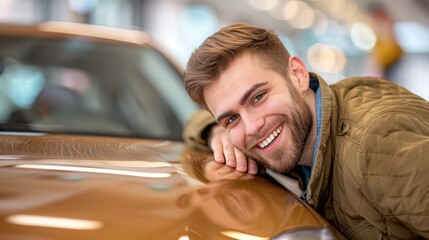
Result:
[
  {"x": 222, "y": 116},
  {"x": 250, "y": 91},
  {"x": 242, "y": 100}
]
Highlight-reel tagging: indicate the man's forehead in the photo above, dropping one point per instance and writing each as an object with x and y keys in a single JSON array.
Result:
[
  {"x": 231, "y": 86},
  {"x": 220, "y": 98}
]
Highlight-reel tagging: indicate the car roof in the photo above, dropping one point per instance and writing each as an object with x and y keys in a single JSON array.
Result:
[
  {"x": 62, "y": 30},
  {"x": 102, "y": 34}
]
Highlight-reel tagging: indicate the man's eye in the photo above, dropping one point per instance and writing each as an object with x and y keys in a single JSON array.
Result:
[
  {"x": 258, "y": 97},
  {"x": 231, "y": 119}
]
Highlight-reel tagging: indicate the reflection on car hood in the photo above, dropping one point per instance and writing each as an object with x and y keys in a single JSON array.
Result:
[{"x": 74, "y": 187}]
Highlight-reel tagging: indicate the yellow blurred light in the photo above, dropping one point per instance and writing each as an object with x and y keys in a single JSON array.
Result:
[
  {"x": 363, "y": 36},
  {"x": 299, "y": 14},
  {"x": 95, "y": 170},
  {"x": 54, "y": 222},
  {"x": 336, "y": 6},
  {"x": 290, "y": 10},
  {"x": 263, "y": 5},
  {"x": 184, "y": 237},
  {"x": 326, "y": 58}
]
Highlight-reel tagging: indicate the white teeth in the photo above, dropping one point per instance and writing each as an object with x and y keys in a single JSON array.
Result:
[{"x": 270, "y": 138}]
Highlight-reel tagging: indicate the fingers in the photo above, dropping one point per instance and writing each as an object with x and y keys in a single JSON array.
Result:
[
  {"x": 225, "y": 152},
  {"x": 252, "y": 167},
  {"x": 216, "y": 143},
  {"x": 229, "y": 152},
  {"x": 241, "y": 161},
  {"x": 218, "y": 152},
  {"x": 236, "y": 159},
  {"x": 223, "y": 149}
]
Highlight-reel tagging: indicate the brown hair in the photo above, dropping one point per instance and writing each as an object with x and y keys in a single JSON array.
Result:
[{"x": 216, "y": 53}]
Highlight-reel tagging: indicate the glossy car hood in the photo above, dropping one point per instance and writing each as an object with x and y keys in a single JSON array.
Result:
[{"x": 87, "y": 187}]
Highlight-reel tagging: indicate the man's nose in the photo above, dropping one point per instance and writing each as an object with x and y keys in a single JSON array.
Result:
[{"x": 252, "y": 123}]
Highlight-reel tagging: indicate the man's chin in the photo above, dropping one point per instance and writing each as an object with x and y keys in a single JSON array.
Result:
[{"x": 283, "y": 169}]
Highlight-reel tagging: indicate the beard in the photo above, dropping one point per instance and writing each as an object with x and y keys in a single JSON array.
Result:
[{"x": 298, "y": 122}]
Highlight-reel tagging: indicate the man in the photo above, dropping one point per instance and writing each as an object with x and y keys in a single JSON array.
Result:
[{"x": 361, "y": 145}]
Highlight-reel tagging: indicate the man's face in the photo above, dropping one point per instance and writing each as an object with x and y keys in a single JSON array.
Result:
[{"x": 265, "y": 117}]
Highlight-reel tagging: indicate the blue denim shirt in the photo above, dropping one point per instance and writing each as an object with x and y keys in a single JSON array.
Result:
[{"x": 314, "y": 85}]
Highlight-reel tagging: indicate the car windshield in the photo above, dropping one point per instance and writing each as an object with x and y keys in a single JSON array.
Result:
[{"x": 88, "y": 87}]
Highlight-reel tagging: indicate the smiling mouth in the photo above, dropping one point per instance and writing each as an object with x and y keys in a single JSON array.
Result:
[{"x": 264, "y": 144}]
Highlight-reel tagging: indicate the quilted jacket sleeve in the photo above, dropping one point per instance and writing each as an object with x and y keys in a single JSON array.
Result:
[
  {"x": 395, "y": 169},
  {"x": 192, "y": 134}
]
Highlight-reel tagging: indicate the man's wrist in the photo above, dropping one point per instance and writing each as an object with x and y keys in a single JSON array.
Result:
[{"x": 207, "y": 133}]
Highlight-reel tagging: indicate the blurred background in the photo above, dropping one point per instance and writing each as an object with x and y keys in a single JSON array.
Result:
[{"x": 336, "y": 38}]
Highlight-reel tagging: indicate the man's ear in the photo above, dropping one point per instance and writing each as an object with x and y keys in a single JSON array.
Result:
[{"x": 299, "y": 74}]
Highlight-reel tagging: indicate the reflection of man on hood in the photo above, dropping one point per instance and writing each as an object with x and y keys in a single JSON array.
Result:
[{"x": 242, "y": 209}]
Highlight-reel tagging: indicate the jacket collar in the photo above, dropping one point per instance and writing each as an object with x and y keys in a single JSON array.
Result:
[{"x": 320, "y": 175}]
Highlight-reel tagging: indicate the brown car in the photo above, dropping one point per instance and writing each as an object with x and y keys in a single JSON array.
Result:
[{"x": 91, "y": 120}]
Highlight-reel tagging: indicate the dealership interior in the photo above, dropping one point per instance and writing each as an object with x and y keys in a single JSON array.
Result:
[{"x": 335, "y": 38}]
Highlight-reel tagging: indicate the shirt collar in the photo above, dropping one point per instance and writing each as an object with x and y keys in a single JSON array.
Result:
[{"x": 314, "y": 85}]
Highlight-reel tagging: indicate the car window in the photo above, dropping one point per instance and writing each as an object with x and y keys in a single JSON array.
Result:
[
  {"x": 79, "y": 86},
  {"x": 165, "y": 81}
]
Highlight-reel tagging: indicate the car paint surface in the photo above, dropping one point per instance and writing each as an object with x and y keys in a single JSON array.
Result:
[{"x": 168, "y": 204}]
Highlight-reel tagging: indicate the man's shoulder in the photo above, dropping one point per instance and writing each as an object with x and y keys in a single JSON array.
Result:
[
  {"x": 377, "y": 104},
  {"x": 359, "y": 81},
  {"x": 370, "y": 90}
]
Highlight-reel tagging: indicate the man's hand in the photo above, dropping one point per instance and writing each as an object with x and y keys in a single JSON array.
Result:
[{"x": 225, "y": 152}]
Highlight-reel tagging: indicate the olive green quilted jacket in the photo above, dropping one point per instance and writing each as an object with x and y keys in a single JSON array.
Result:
[{"x": 371, "y": 174}]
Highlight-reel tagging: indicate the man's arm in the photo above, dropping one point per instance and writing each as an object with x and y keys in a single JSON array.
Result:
[
  {"x": 396, "y": 169},
  {"x": 198, "y": 124}
]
